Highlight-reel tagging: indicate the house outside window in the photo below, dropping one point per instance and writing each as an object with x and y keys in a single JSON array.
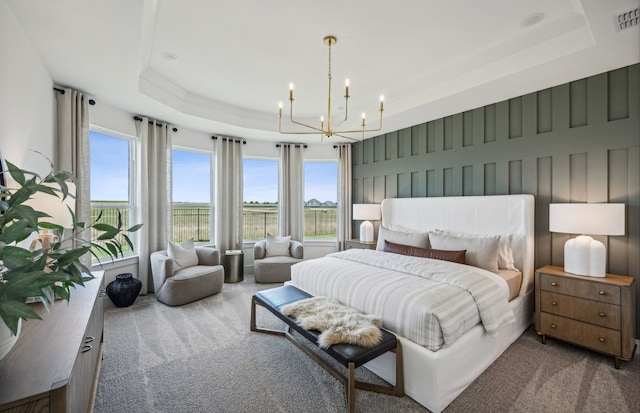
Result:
[
  {"x": 321, "y": 199},
  {"x": 111, "y": 163}
]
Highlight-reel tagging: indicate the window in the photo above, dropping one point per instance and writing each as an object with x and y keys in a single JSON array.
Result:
[
  {"x": 260, "y": 194},
  {"x": 191, "y": 183},
  {"x": 110, "y": 161},
  {"x": 321, "y": 199}
]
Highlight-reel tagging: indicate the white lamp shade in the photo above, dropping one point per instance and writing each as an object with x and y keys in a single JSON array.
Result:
[
  {"x": 367, "y": 212},
  {"x": 592, "y": 219},
  {"x": 583, "y": 255}
]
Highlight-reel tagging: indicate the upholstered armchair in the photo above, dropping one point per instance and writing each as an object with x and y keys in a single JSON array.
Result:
[
  {"x": 275, "y": 268},
  {"x": 177, "y": 286}
]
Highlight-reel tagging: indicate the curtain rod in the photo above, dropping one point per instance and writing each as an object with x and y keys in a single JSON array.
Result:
[
  {"x": 62, "y": 92},
  {"x": 244, "y": 142},
  {"x": 139, "y": 119},
  {"x": 297, "y": 145}
]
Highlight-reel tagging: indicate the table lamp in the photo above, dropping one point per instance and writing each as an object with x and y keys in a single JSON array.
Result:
[
  {"x": 368, "y": 213},
  {"x": 583, "y": 255}
]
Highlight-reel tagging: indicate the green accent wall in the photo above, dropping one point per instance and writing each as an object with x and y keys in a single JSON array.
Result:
[{"x": 576, "y": 142}]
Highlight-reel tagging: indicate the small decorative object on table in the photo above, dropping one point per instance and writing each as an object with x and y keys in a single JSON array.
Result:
[{"x": 124, "y": 290}]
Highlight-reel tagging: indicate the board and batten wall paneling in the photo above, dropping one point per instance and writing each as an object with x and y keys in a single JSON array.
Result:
[{"x": 576, "y": 142}]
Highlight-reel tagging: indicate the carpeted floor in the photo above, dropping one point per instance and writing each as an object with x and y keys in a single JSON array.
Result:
[{"x": 201, "y": 357}]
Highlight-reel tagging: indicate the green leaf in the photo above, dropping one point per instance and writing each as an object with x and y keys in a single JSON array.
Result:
[
  {"x": 12, "y": 311},
  {"x": 107, "y": 236},
  {"x": 16, "y": 173},
  {"x": 105, "y": 228},
  {"x": 16, "y": 257},
  {"x": 135, "y": 228},
  {"x": 128, "y": 242}
]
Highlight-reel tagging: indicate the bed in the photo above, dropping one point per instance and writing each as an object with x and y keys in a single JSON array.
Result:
[{"x": 437, "y": 366}]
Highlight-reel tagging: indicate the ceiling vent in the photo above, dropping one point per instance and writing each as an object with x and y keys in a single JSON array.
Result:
[{"x": 626, "y": 20}]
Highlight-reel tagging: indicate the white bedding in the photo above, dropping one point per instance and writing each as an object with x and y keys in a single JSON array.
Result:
[
  {"x": 430, "y": 302},
  {"x": 435, "y": 378}
]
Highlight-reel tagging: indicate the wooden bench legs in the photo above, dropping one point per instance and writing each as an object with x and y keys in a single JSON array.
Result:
[{"x": 347, "y": 378}]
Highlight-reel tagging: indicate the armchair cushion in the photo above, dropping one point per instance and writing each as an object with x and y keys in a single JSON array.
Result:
[
  {"x": 183, "y": 254},
  {"x": 277, "y": 246}
]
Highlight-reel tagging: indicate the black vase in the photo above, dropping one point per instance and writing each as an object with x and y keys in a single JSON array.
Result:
[{"x": 124, "y": 290}]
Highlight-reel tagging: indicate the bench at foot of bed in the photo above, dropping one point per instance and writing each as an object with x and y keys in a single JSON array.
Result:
[{"x": 350, "y": 356}]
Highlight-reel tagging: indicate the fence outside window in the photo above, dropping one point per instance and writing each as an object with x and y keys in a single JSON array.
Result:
[{"x": 193, "y": 221}]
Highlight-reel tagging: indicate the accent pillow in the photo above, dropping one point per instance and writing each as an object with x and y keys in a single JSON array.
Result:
[
  {"x": 453, "y": 256},
  {"x": 184, "y": 254},
  {"x": 505, "y": 253},
  {"x": 404, "y": 237},
  {"x": 277, "y": 246},
  {"x": 482, "y": 252}
]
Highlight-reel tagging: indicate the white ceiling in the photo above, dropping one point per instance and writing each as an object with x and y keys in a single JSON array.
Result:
[{"x": 236, "y": 58}]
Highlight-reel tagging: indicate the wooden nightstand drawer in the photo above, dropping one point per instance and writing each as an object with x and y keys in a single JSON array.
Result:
[
  {"x": 594, "y": 312},
  {"x": 584, "y": 334},
  {"x": 580, "y": 288}
]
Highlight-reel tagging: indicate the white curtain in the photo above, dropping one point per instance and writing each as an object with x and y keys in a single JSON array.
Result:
[
  {"x": 153, "y": 193},
  {"x": 345, "y": 180},
  {"x": 291, "y": 192},
  {"x": 72, "y": 149},
  {"x": 228, "y": 193}
]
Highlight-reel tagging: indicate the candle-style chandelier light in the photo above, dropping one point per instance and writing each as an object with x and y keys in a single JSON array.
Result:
[{"x": 326, "y": 130}]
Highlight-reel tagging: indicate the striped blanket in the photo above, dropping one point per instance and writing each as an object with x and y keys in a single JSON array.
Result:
[{"x": 428, "y": 301}]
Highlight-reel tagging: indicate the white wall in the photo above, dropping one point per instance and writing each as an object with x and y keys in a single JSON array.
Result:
[{"x": 27, "y": 101}]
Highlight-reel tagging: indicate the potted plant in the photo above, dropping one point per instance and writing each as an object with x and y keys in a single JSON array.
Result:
[{"x": 50, "y": 270}]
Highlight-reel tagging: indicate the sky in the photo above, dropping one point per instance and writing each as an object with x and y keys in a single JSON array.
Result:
[{"x": 192, "y": 178}]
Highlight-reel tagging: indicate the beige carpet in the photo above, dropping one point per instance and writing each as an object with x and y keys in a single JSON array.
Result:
[{"x": 201, "y": 357}]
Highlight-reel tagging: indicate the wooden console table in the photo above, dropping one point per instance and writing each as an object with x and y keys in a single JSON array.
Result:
[{"x": 53, "y": 366}]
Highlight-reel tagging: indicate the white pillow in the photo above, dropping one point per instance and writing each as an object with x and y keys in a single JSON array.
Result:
[
  {"x": 482, "y": 251},
  {"x": 184, "y": 254},
  {"x": 505, "y": 253},
  {"x": 277, "y": 246},
  {"x": 404, "y": 237}
]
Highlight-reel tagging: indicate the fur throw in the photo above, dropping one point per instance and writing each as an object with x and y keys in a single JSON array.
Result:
[{"x": 336, "y": 322}]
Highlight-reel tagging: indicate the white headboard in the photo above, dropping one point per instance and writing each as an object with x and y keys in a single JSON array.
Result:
[{"x": 495, "y": 215}]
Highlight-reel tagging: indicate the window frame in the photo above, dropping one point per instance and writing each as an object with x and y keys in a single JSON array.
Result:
[{"x": 132, "y": 176}]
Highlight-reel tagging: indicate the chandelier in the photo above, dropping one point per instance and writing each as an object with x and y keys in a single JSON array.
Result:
[{"x": 326, "y": 129}]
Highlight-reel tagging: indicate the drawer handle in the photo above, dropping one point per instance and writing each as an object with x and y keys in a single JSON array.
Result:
[
  {"x": 554, "y": 284},
  {"x": 602, "y": 340},
  {"x": 86, "y": 348},
  {"x": 553, "y": 326},
  {"x": 89, "y": 339},
  {"x": 554, "y": 303},
  {"x": 602, "y": 314},
  {"x": 602, "y": 293}
]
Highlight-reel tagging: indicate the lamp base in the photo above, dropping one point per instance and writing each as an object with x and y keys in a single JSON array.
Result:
[
  {"x": 584, "y": 255},
  {"x": 366, "y": 231}
]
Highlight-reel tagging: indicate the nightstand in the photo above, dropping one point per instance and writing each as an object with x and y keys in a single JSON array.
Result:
[
  {"x": 363, "y": 245},
  {"x": 598, "y": 313}
]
